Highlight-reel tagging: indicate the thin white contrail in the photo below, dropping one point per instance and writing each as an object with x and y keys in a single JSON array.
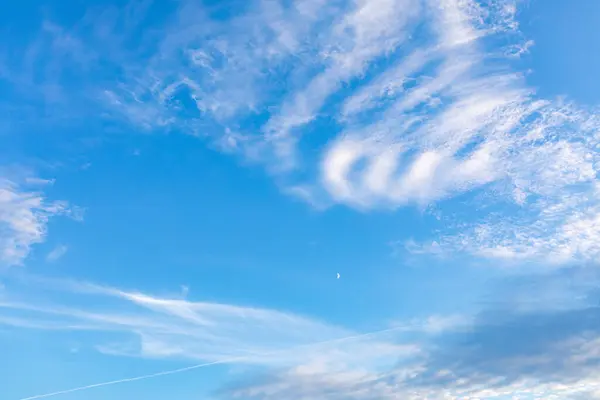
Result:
[
  {"x": 208, "y": 364},
  {"x": 137, "y": 378}
]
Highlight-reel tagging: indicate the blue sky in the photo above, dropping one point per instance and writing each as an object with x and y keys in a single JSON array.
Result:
[{"x": 182, "y": 181}]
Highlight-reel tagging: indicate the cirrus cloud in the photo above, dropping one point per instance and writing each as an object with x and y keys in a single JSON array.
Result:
[
  {"x": 409, "y": 102},
  {"x": 24, "y": 215}
]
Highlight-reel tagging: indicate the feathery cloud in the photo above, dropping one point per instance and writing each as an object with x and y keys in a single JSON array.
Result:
[
  {"x": 546, "y": 351},
  {"x": 371, "y": 104},
  {"x": 162, "y": 327},
  {"x": 24, "y": 216}
]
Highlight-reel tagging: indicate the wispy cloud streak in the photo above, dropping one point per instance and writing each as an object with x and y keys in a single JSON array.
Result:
[
  {"x": 438, "y": 357},
  {"x": 24, "y": 215},
  {"x": 209, "y": 332},
  {"x": 178, "y": 328},
  {"x": 408, "y": 101},
  {"x": 209, "y": 364}
]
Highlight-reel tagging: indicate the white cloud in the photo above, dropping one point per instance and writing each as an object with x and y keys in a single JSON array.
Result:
[
  {"x": 442, "y": 135},
  {"x": 436, "y": 324},
  {"x": 559, "y": 224},
  {"x": 24, "y": 217},
  {"x": 306, "y": 358},
  {"x": 211, "y": 332},
  {"x": 57, "y": 253},
  {"x": 370, "y": 29},
  {"x": 562, "y": 367},
  {"x": 31, "y": 180},
  {"x": 414, "y": 99},
  {"x": 363, "y": 385}
]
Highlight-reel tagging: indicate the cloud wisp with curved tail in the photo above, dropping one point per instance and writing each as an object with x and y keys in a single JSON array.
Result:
[{"x": 407, "y": 102}]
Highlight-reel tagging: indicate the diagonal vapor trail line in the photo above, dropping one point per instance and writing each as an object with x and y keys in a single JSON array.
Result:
[{"x": 208, "y": 364}]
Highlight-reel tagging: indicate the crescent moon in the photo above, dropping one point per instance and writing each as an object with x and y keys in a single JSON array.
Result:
[{"x": 338, "y": 275}]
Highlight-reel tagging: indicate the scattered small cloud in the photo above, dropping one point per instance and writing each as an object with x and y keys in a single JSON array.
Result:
[
  {"x": 57, "y": 253},
  {"x": 185, "y": 290},
  {"x": 24, "y": 215},
  {"x": 39, "y": 181},
  {"x": 518, "y": 50},
  {"x": 436, "y": 324}
]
